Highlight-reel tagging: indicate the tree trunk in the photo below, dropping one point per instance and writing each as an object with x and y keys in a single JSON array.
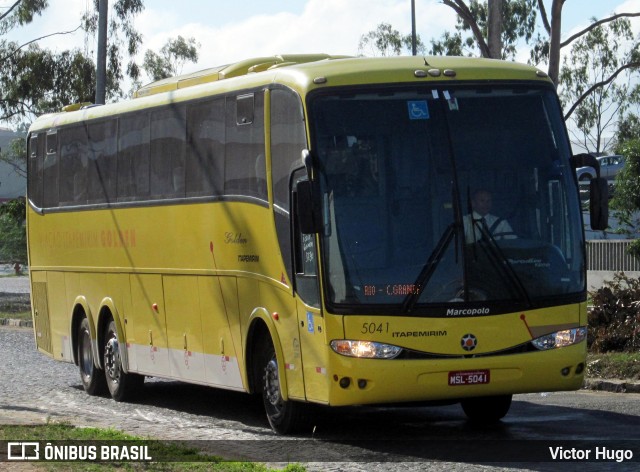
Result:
[
  {"x": 554, "y": 42},
  {"x": 494, "y": 26}
]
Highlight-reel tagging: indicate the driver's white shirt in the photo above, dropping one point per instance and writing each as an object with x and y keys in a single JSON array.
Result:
[{"x": 501, "y": 231}]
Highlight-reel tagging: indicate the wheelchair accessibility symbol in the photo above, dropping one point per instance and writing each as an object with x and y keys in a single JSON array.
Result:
[{"x": 418, "y": 110}]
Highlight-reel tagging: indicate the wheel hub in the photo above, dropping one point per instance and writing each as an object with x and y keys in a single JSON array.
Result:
[
  {"x": 272, "y": 383},
  {"x": 112, "y": 359}
]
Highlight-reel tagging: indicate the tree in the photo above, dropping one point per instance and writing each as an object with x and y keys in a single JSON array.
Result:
[
  {"x": 626, "y": 199},
  {"x": 596, "y": 81},
  {"x": 123, "y": 42},
  {"x": 628, "y": 129},
  {"x": 596, "y": 58},
  {"x": 16, "y": 154},
  {"x": 386, "y": 41},
  {"x": 496, "y": 26},
  {"x": 35, "y": 80},
  {"x": 13, "y": 237},
  {"x": 172, "y": 58}
]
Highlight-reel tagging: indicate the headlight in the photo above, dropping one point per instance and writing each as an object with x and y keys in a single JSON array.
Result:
[
  {"x": 366, "y": 349},
  {"x": 563, "y": 338}
]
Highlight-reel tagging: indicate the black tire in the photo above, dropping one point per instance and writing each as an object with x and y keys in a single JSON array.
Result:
[
  {"x": 285, "y": 417},
  {"x": 122, "y": 386},
  {"x": 486, "y": 409},
  {"x": 93, "y": 380}
]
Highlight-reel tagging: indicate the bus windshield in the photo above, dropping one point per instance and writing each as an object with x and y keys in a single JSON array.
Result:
[{"x": 437, "y": 195}]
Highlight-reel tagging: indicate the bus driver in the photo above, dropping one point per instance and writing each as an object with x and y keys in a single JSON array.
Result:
[{"x": 482, "y": 221}]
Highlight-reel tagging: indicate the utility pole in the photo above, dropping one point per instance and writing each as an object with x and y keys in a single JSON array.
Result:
[
  {"x": 101, "y": 65},
  {"x": 414, "y": 48}
]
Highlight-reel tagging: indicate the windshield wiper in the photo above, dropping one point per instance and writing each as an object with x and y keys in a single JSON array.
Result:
[
  {"x": 429, "y": 268},
  {"x": 501, "y": 261}
]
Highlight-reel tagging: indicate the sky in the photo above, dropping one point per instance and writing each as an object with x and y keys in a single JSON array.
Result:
[{"x": 229, "y": 31}]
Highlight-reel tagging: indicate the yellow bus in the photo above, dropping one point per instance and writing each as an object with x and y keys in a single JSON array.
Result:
[{"x": 294, "y": 226}]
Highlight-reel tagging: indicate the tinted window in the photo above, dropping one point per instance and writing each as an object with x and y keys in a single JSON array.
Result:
[
  {"x": 74, "y": 165},
  {"x": 102, "y": 162},
  {"x": 288, "y": 139},
  {"x": 168, "y": 137},
  {"x": 245, "y": 171},
  {"x": 133, "y": 157},
  {"x": 205, "y": 153},
  {"x": 36, "y": 161}
]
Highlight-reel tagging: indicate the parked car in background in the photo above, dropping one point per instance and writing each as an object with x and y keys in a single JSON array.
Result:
[{"x": 609, "y": 168}]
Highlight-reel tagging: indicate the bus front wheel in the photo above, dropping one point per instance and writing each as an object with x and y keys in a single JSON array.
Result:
[
  {"x": 284, "y": 416},
  {"x": 122, "y": 386},
  {"x": 93, "y": 379},
  {"x": 486, "y": 409}
]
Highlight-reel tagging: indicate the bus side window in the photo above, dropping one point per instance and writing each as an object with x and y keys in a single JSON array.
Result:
[
  {"x": 133, "y": 157},
  {"x": 74, "y": 164},
  {"x": 102, "y": 162},
  {"x": 168, "y": 142},
  {"x": 205, "y": 148},
  {"x": 51, "y": 169},
  {"x": 36, "y": 161},
  {"x": 288, "y": 139},
  {"x": 245, "y": 170}
]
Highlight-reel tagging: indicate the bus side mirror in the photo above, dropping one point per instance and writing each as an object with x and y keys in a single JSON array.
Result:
[
  {"x": 599, "y": 203},
  {"x": 585, "y": 160},
  {"x": 307, "y": 213}
]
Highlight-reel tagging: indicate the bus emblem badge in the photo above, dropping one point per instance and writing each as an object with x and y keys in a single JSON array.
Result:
[{"x": 469, "y": 342}]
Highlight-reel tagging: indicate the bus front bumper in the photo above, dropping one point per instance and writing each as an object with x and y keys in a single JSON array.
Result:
[{"x": 375, "y": 381}]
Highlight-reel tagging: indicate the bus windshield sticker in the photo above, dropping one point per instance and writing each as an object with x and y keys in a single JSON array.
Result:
[
  {"x": 435, "y": 95},
  {"x": 453, "y": 104},
  {"x": 418, "y": 110}
]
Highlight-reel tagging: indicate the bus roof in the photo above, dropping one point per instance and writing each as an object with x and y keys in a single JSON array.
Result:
[{"x": 303, "y": 72}]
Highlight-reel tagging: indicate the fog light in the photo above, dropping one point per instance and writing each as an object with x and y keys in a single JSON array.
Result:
[
  {"x": 345, "y": 382},
  {"x": 566, "y": 371},
  {"x": 579, "y": 368},
  {"x": 362, "y": 384}
]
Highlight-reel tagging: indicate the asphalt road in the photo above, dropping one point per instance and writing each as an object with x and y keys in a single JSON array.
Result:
[{"x": 35, "y": 389}]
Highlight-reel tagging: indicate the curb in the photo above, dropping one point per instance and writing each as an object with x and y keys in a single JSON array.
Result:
[
  {"x": 611, "y": 385},
  {"x": 16, "y": 323}
]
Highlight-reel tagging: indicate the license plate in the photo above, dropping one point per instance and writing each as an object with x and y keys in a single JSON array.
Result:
[{"x": 469, "y": 377}]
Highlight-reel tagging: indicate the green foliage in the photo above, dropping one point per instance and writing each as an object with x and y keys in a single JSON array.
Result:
[
  {"x": 13, "y": 236},
  {"x": 36, "y": 81},
  {"x": 628, "y": 130},
  {"x": 123, "y": 41},
  {"x": 16, "y": 156},
  {"x": 518, "y": 22},
  {"x": 386, "y": 41},
  {"x": 594, "y": 58},
  {"x": 626, "y": 199},
  {"x": 614, "y": 321},
  {"x": 173, "y": 56}
]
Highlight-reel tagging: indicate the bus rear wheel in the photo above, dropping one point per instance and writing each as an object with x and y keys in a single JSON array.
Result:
[
  {"x": 486, "y": 409},
  {"x": 93, "y": 379},
  {"x": 284, "y": 417},
  {"x": 122, "y": 386}
]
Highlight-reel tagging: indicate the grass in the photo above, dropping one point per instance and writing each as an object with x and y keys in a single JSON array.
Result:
[
  {"x": 20, "y": 315},
  {"x": 190, "y": 460},
  {"x": 614, "y": 365}
]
